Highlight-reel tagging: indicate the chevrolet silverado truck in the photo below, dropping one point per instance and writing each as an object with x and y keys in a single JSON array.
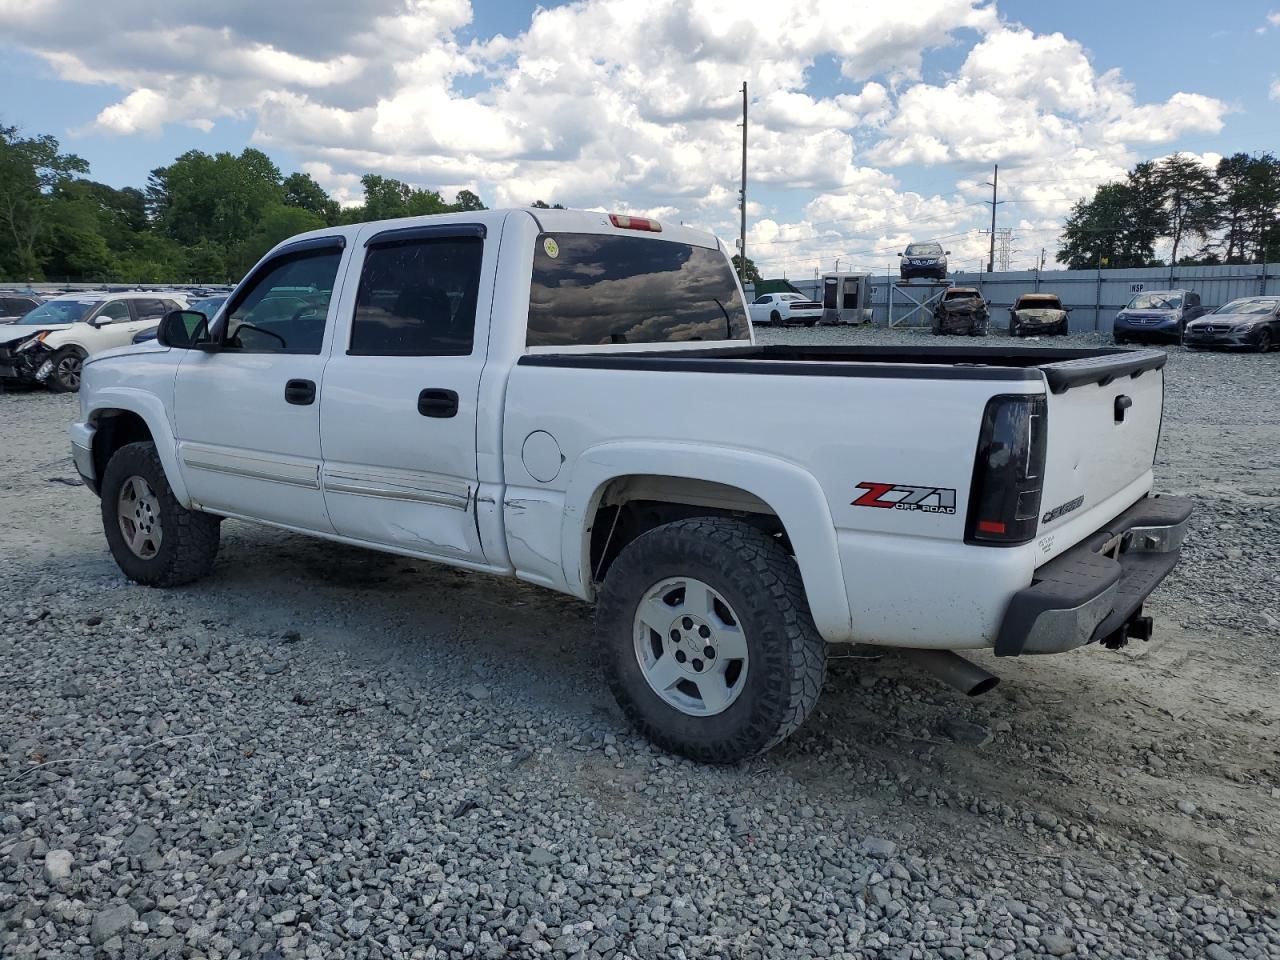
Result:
[{"x": 577, "y": 400}]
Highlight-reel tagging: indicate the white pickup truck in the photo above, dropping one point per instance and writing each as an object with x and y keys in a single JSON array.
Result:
[{"x": 576, "y": 399}]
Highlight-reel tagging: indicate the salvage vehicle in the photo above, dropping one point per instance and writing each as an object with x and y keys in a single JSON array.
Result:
[
  {"x": 927, "y": 260},
  {"x": 1038, "y": 314},
  {"x": 1157, "y": 316},
  {"x": 50, "y": 344},
  {"x": 1249, "y": 323},
  {"x": 15, "y": 306},
  {"x": 785, "y": 309},
  {"x": 577, "y": 400},
  {"x": 961, "y": 310}
]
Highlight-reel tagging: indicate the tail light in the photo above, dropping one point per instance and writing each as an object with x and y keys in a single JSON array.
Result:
[
  {"x": 624, "y": 222},
  {"x": 1008, "y": 472}
]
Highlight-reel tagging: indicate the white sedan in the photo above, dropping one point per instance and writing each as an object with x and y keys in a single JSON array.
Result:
[{"x": 780, "y": 309}]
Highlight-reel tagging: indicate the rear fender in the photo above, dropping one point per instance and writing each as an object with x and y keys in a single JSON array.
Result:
[{"x": 792, "y": 493}]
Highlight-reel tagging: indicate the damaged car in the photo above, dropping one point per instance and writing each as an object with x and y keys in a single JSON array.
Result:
[
  {"x": 961, "y": 310},
  {"x": 1038, "y": 314},
  {"x": 50, "y": 344}
]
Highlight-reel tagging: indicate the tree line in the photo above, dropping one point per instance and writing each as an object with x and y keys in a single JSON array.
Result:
[
  {"x": 1226, "y": 214},
  {"x": 202, "y": 218}
]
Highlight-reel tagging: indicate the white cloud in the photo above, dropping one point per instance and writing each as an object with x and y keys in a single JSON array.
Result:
[
  {"x": 635, "y": 105},
  {"x": 1271, "y": 22},
  {"x": 1275, "y": 90}
]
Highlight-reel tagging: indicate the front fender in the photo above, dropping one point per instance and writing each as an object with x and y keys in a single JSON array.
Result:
[
  {"x": 790, "y": 491},
  {"x": 106, "y": 399}
]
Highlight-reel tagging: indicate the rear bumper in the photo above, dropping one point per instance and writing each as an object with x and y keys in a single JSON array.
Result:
[
  {"x": 801, "y": 317},
  {"x": 1087, "y": 595}
]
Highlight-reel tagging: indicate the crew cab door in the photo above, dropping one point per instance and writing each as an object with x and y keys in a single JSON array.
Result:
[
  {"x": 398, "y": 413},
  {"x": 247, "y": 417}
]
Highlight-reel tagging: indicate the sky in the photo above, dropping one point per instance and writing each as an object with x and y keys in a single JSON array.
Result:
[{"x": 873, "y": 123}]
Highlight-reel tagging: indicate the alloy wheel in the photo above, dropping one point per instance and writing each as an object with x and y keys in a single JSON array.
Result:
[
  {"x": 138, "y": 513},
  {"x": 690, "y": 646}
]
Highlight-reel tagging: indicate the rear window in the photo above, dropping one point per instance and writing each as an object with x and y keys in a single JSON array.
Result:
[{"x": 603, "y": 289}]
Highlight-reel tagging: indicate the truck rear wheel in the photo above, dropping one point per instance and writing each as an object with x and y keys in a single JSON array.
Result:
[
  {"x": 154, "y": 539},
  {"x": 710, "y": 647}
]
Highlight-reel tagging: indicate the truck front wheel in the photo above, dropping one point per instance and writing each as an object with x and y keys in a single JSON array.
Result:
[
  {"x": 154, "y": 539},
  {"x": 710, "y": 647}
]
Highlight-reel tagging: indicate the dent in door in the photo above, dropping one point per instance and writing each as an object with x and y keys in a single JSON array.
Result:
[{"x": 386, "y": 506}]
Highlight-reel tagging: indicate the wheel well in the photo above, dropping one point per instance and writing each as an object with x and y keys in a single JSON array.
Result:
[
  {"x": 630, "y": 506},
  {"x": 115, "y": 428}
]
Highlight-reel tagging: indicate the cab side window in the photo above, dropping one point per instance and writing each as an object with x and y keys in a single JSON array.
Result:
[
  {"x": 285, "y": 308},
  {"x": 764, "y": 299},
  {"x": 417, "y": 298}
]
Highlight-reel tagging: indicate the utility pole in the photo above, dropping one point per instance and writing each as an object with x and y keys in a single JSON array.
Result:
[
  {"x": 742, "y": 195},
  {"x": 993, "y": 183}
]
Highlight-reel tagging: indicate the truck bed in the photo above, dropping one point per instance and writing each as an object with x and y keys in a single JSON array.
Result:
[{"x": 1063, "y": 368}]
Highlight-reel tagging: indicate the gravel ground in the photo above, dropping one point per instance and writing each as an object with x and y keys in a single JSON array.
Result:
[{"x": 325, "y": 752}]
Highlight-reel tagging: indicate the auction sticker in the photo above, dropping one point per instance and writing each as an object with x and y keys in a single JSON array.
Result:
[{"x": 552, "y": 248}]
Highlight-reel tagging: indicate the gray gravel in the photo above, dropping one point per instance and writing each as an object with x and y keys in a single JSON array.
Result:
[{"x": 325, "y": 752}]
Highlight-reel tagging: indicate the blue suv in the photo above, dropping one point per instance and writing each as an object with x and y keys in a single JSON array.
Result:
[{"x": 1158, "y": 316}]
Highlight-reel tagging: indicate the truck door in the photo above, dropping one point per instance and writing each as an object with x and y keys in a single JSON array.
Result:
[
  {"x": 247, "y": 416},
  {"x": 398, "y": 414}
]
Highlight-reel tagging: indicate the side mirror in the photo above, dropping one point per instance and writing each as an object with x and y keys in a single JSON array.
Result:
[
  {"x": 947, "y": 253},
  {"x": 183, "y": 329},
  {"x": 1067, "y": 309},
  {"x": 900, "y": 254}
]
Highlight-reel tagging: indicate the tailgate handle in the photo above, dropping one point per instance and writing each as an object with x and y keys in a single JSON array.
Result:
[{"x": 1123, "y": 403}]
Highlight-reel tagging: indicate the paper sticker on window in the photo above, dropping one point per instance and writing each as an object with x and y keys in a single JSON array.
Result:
[{"x": 552, "y": 248}]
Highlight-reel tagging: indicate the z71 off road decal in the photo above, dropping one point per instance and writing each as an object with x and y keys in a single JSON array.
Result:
[{"x": 899, "y": 496}]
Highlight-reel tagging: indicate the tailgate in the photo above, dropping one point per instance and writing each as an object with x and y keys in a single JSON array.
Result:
[{"x": 1104, "y": 418}]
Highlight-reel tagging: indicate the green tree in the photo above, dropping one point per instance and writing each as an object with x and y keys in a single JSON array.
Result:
[
  {"x": 752, "y": 274},
  {"x": 30, "y": 169},
  {"x": 280, "y": 221},
  {"x": 1096, "y": 232},
  {"x": 466, "y": 200},
  {"x": 543, "y": 205},
  {"x": 1190, "y": 199},
  {"x": 301, "y": 190},
  {"x": 220, "y": 198}
]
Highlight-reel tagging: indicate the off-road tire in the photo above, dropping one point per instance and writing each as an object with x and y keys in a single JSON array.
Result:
[
  {"x": 57, "y": 383},
  {"x": 761, "y": 582},
  {"x": 190, "y": 539}
]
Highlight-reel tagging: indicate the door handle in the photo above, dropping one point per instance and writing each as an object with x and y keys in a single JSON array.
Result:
[
  {"x": 438, "y": 403},
  {"x": 300, "y": 392}
]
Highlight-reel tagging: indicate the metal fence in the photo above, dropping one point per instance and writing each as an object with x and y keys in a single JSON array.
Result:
[{"x": 1094, "y": 296}]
